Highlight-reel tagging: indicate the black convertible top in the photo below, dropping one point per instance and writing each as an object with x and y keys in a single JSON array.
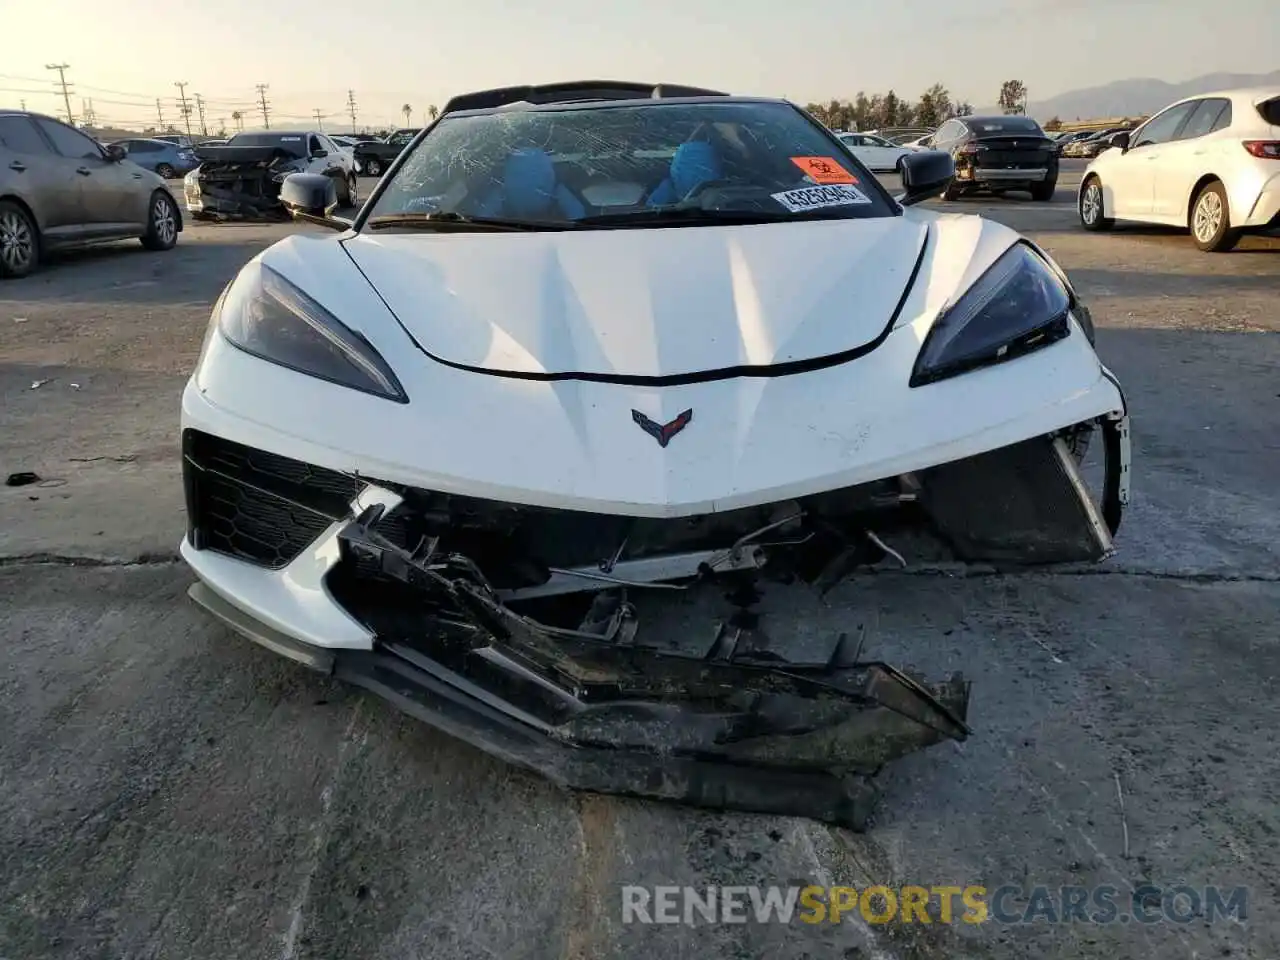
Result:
[{"x": 574, "y": 90}]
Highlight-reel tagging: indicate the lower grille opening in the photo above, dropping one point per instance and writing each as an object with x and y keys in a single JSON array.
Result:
[{"x": 258, "y": 506}]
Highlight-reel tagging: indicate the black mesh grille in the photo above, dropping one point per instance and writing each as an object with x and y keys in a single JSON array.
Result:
[{"x": 255, "y": 505}]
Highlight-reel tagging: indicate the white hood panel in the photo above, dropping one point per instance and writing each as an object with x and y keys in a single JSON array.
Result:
[{"x": 644, "y": 302}]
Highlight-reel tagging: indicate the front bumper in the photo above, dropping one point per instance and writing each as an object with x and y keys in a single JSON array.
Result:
[
  {"x": 997, "y": 175},
  {"x": 369, "y": 581}
]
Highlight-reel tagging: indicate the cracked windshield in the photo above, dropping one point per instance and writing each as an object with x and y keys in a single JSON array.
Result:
[{"x": 623, "y": 165}]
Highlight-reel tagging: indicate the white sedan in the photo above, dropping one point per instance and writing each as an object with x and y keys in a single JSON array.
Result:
[
  {"x": 876, "y": 153},
  {"x": 1209, "y": 163}
]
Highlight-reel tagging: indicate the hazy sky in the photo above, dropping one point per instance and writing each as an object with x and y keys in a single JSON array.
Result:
[{"x": 125, "y": 53}]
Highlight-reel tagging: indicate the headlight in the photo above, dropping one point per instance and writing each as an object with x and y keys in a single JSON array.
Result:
[
  {"x": 265, "y": 315},
  {"x": 287, "y": 169},
  {"x": 1019, "y": 305}
]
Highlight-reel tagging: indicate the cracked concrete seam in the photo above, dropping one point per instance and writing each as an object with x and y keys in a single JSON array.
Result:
[{"x": 959, "y": 572}]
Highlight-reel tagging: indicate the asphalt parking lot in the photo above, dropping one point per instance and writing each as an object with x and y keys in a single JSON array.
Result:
[{"x": 169, "y": 790}]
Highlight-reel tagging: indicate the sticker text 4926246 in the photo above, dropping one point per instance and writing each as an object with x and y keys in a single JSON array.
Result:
[{"x": 815, "y": 198}]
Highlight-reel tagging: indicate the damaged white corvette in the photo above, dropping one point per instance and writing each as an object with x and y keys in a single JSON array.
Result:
[{"x": 593, "y": 344}]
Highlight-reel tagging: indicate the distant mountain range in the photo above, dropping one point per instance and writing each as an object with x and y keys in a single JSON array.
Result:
[{"x": 1137, "y": 97}]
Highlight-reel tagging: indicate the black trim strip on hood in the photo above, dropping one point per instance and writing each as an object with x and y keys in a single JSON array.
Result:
[{"x": 678, "y": 379}]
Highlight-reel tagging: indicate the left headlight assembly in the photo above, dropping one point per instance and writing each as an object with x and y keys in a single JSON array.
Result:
[
  {"x": 264, "y": 314},
  {"x": 1019, "y": 305}
]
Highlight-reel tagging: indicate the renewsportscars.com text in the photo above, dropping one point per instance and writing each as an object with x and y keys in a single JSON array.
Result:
[{"x": 973, "y": 904}]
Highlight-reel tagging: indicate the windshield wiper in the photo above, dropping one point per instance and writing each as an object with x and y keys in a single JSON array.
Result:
[{"x": 451, "y": 220}]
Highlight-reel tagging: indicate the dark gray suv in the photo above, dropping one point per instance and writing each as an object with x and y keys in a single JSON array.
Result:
[{"x": 59, "y": 188}]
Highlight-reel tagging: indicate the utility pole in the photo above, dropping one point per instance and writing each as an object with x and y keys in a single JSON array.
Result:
[
  {"x": 351, "y": 105},
  {"x": 186, "y": 110},
  {"x": 319, "y": 119},
  {"x": 24, "y": 104},
  {"x": 262, "y": 99},
  {"x": 62, "y": 69},
  {"x": 159, "y": 116},
  {"x": 204, "y": 130}
]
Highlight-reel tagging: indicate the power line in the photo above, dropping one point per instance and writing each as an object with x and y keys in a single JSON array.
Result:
[
  {"x": 262, "y": 99},
  {"x": 186, "y": 110},
  {"x": 62, "y": 69}
]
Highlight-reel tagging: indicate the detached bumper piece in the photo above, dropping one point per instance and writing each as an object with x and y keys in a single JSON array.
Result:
[{"x": 734, "y": 725}]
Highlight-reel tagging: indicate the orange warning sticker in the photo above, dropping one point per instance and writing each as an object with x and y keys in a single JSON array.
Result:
[{"x": 824, "y": 170}]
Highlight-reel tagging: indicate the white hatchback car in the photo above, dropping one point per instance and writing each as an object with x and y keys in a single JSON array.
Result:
[{"x": 1209, "y": 163}]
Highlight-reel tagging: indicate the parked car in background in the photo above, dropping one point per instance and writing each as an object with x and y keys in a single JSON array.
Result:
[
  {"x": 160, "y": 156},
  {"x": 1090, "y": 147},
  {"x": 1209, "y": 163},
  {"x": 998, "y": 154},
  {"x": 212, "y": 143},
  {"x": 60, "y": 188},
  {"x": 1062, "y": 140},
  {"x": 374, "y": 156},
  {"x": 181, "y": 139},
  {"x": 876, "y": 153},
  {"x": 242, "y": 179}
]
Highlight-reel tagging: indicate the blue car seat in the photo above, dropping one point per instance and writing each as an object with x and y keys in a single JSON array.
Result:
[
  {"x": 529, "y": 190},
  {"x": 695, "y": 162}
]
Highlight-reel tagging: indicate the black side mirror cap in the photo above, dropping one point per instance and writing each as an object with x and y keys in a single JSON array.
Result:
[
  {"x": 116, "y": 153},
  {"x": 1120, "y": 140},
  {"x": 311, "y": 197},
  {"x": 925, "y": 174}
]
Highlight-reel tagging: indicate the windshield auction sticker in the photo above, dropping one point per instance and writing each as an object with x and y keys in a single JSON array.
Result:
[
  {"x": 815, "y": 198},
  {"x": 824, "y": 170}
]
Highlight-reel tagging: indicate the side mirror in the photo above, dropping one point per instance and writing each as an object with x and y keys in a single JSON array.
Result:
[
  {"x": 319, "y": 153},
  {"x": 925, "y": 175},
  {"x": 1120, "y": 140},
  {"x": 311, "y": 197},
  {"x": 116, "y": 153}
]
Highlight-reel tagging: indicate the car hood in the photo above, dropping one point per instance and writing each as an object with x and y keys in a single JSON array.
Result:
[{"x": 646, "y": 303}]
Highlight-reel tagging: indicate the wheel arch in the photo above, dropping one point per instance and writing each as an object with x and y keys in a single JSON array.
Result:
[
  {"x": 26, "y": 207},
  {"x": 177, "y": 207},
  {"x": 1199, "y": 185}
]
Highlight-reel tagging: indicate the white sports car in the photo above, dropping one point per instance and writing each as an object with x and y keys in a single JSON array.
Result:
[{"x": 597, "y": 360}]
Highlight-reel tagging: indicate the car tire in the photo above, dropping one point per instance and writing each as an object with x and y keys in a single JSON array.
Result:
[
  {"x": 351, "y": 191},
  {"x": 1090, "y": 207},
  {"x": 166, "y": 171},
  {"x": 1210, "y": 220},
  {"x": 1043, "y": 192},
  {"x": 162, "y": 222},
  {"x": 373, "y": 167},
  {"x": 952, "y": 193},
  {"x": 19, "y": 241}
]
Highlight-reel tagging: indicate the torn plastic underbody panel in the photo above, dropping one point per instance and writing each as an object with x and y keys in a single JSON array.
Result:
[{"x": 514, "y": 629}]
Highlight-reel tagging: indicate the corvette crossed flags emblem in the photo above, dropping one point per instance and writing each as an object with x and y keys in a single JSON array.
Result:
[{"x": 662, "y": 432}]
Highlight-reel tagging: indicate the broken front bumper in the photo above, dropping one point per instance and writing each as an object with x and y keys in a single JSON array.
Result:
[
  {"x": 234, "y": 202},
  {"x": 540, "y": 659}
]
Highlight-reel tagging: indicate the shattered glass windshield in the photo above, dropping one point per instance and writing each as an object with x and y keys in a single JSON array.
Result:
[{"x": 607, "y": 165}]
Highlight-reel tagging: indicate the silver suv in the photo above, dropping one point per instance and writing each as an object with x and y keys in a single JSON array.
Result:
[{"x": 59, "y": 188}]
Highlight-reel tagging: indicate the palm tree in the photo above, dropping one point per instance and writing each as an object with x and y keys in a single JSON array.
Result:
[
  {"x": 237, "y": 116},
  {"x": 433, "y": 111},
  {"x": 408, "y": 112}
]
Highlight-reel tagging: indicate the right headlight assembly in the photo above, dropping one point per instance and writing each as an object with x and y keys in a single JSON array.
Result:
[
  {"x": 264, "y": 314},
  {"x": 1019, "y": 305}
]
